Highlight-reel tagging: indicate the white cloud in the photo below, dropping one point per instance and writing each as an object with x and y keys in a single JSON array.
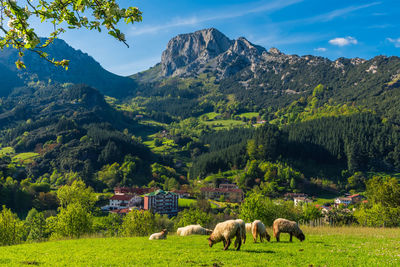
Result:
[
  {"x": 320, "y": 49},
  {"x": 396, "y": 42},
  {"x": 223, "y": 14},
  {"x": 340, "y": 41}
]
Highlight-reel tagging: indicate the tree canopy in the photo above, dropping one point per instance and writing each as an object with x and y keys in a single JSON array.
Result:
[{"x": 90, "y": 14}]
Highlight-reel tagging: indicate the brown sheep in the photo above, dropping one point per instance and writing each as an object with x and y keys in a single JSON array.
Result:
[
  {"x": 286, "y": 226},
  {"x": 258, "y": 228},
  {"x": 224, "y": 232},
  {"x": 161, "y": 235}
]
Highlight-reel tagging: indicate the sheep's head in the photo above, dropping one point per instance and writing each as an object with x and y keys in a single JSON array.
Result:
[
  {"x": 268, "y": 237},
  {"x": 208, "y": 231},
  {"x": 164, "y": 231},
  {"x": 301, "y": 237},
  {"x": 210, "y": 242}
]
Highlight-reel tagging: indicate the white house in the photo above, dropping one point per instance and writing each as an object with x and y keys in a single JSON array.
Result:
[
  {"x": 343, "y": 200},
  {"x": 301, "y": 201},
  {"x": 125, "y": 201}
]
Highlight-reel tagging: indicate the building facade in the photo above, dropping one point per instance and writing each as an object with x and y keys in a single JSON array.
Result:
[
  {"x": 162, "y": 202},
  {"x": 233, "y": 195}
]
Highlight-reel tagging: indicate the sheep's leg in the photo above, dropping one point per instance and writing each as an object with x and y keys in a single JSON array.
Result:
[
  {"x": 228, "y": 243},
  {"x": 239, "y": 240},
  {"x": 224, "y": 241},
  {"x": 277, "y": 236},
  {"x": 291, "y": 235}
]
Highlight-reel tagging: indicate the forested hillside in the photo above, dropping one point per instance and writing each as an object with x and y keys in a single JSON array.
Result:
[{"x": 213, "y": 110}]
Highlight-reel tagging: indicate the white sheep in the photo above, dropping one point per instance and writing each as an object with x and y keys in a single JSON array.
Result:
[
  {"x": 193, "y": 230},
  {"x": 242, "y": 230},
  {"x": 248, "y": 227},
  {"x": 161, "y": 235},
  {"x": 258, "y": 228},
  {"x": 224, "y": 232}
]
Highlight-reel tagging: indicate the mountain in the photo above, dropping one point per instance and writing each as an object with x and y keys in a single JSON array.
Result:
[
  {"x": 70, "y": 128},
  {"x": 208, "y": 50},
  {"x": 256, "y": 79},
  {"x": 83, "y": 69}
]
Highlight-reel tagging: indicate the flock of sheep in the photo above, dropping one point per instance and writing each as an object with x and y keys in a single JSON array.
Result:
[{"x": 226, "y": 231}]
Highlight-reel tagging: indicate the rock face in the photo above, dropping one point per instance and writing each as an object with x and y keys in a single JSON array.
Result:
[
  {"x": 208, "y": 50},
  {"x": 190, "y": 51}
]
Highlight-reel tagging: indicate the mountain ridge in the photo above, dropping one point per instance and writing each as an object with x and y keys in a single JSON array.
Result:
[{"x": 82, "y": 69}]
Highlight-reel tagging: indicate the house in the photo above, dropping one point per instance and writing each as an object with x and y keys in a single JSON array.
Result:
[
  {"x": 133, "y": 190},
  {"x": 343, "y": 201},
  {"x": 228, "y": 186},
  {"x": 162, "y": 202},
  {"x": 356, "y": 198},
  {"x": 125, "y": 201},
  {"x": 350, "y": 199},
  {"x": 298, "y": 201},
  {"x": 291, "y": 196},
  {"x": 181, "y": 193},
  {"x": 230, "y": 194}
]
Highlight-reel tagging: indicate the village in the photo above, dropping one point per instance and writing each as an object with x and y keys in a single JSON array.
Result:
[{"x": 156, "y": 200}]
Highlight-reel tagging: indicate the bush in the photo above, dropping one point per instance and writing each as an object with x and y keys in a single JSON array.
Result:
[
  {"x": 11, "y": 228},
  {"x": 258, "y": 207},
  {"x": 74, "y": 221},
  {"x": 138, "y": 223},
  {"x": 192, "y": 216}
]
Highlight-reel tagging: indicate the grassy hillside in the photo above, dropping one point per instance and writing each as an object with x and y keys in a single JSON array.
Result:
[{"x": 322, "y": 247}]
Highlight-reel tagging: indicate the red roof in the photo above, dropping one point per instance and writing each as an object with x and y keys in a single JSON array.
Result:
[
  {"x": 134, "y": 190},
  {"x": 120, "y": 211},
  {"x": 222, "y": 190},
  {"x": 122, "y": 197}
]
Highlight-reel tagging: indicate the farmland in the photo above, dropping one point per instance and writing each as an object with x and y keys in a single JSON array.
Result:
[{"x": 323, "y": 247}]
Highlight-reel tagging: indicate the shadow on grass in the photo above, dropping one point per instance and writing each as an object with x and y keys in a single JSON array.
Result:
[{"x": 258, "y": 251}]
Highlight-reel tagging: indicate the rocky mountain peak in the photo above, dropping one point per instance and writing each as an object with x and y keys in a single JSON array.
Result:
[
  {"x": 208, "y": 50},
  {"x": 199, "y": 46}
]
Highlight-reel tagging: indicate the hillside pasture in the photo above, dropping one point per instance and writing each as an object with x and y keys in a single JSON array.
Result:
[{"x": 323, "y": 247}]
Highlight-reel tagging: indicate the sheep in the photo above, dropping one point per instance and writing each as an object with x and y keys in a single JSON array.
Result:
[
  {"x": 224, "y": 232},
  {"x": 286, "y": 226},
  {"x": 248, "y": 227},
  {"x": 258, "y": 228},
  {"x": 161, "y": 235},
  {"x": 243, "y": 231},
  {"x": 193, "y": 230}
]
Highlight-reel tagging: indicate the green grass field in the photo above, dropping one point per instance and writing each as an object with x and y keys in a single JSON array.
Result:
[{"x": 322, "y": 247}]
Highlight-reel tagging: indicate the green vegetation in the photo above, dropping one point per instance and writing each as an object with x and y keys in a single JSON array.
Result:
[
  {"x": 323, "y": 246},
  {"x": 24, "y": 158}
]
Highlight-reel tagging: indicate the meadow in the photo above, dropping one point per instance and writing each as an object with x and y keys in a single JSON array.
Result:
[{"x": 324, "y": 246}]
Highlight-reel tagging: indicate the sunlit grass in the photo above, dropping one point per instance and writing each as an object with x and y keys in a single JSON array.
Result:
[{"x": 324, "y": 246}]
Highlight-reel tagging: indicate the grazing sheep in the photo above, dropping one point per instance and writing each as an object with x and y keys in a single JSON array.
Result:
[
  {"x": 286, "y": 226},
  {"x": 258, "y": 228},
  {"x": 248, "y": 227},
  {"x": 193, "y": 230},
  {"x": 243, "y": 231},
  {"x": 161, "y": 235},
  {"x": 224, "y": 232}
]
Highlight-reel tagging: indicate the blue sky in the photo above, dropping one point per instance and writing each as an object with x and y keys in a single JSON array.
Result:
[{"x": 329, "y": 28}]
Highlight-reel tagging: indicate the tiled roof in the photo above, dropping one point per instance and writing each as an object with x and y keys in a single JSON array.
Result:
[{"x": 159, "y": 192}]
